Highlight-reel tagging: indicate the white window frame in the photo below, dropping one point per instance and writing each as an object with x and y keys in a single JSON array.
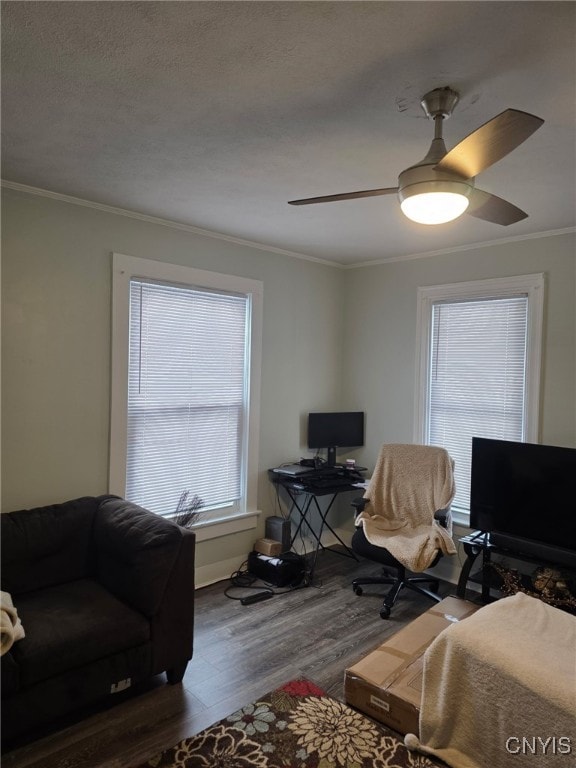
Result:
[
  {"x": 533, "y": 287},
  {"x": 124, "y": 269}
]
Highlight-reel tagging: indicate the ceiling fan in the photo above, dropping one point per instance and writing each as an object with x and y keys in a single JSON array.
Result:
[{"x": 441, "y": 186}]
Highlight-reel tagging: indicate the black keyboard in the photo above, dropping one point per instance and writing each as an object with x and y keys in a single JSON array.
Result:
[{"x": 334, "y": 481}]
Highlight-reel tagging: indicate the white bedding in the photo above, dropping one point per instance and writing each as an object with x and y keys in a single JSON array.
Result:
[{"x": 499, "y": 689}]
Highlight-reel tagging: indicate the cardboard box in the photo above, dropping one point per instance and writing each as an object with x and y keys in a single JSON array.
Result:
[
  {"x": 387, "y": 683},
  {"x": 268, "y": 547}
]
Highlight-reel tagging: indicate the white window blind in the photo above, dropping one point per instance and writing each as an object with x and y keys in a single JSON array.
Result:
[
  {"x": 477, "y": 377},
  {"x": 187, "y": 395}
]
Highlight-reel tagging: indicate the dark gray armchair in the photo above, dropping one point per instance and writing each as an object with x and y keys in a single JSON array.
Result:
[{"x": 105, "y": 593}]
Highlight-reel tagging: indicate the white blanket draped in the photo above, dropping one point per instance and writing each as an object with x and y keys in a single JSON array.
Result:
[
  {"x": 499, "y": 688},
  {"x": 11, "y": 628},
  {"x": 410, "y": 483}
]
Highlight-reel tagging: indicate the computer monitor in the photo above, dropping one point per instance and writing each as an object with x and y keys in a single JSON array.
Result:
[{"x": 341, "y": 429}]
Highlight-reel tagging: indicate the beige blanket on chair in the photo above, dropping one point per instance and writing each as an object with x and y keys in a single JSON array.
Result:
[
  {"x": 410, "y": 483},
  {"x": 11, "y": 628},
  {"x": 499, "y": 688}
]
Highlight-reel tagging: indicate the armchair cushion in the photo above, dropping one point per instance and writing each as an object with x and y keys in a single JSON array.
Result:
[
  {"x": 364, "y": 548},
  {"x": 47, "y": 545},
  {"x": 73, "y": 624}
]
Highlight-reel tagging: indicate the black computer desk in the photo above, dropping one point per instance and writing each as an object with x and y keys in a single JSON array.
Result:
[{"x": 304, "y": 492}]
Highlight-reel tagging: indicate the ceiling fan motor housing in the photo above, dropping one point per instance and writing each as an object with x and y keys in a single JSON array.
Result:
[
  {"x": 420, "y": 179},
  {"x": 425, "y": 177}
]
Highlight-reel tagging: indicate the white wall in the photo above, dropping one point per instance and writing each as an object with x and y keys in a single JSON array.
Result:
[
  {"x": 380, "y": 332},
  {"x": 56, "y": 349},
  {"x": 380, "y": 338},
  {"x": 332, "y": 339}
]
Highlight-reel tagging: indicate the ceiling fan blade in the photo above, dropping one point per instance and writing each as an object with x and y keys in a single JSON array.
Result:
[
  {"x": 488, "y": 207},
  {"x": 346, "y": 196},
  {"x": 490, "y": 143}
]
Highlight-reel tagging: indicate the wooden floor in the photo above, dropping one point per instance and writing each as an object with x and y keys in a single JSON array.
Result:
[{"x": 240, "y": 653}]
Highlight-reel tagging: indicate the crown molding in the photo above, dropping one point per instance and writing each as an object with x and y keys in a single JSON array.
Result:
[
  {"x": 270, "y": 248},
  {"x": 467, "y": 247},
  {"x": 14, "y": 185}
]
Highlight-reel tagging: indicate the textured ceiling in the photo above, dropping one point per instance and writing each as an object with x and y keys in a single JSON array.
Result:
[{"x": 215, "y": 114}]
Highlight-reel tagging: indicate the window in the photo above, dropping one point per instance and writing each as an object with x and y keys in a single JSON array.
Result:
[
  {"x": 479, "y": 360},
  {"x": 186, "y": 356}
]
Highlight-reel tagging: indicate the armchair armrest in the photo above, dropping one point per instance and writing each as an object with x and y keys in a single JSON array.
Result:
[
  {"x": 148, "y": 562},
  {"x": 444, "y": 517},
  {"x": 136, "y": 552},
  {"x": 359, "y": 504}
]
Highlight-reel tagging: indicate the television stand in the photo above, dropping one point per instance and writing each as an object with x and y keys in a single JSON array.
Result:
[
  {"x": 478, "y": 543},
  {"x": 474, "y": 544}
]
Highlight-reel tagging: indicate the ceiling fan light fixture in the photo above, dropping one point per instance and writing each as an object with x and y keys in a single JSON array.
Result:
[
  {"x": 434, "y": 202},
  {"x": 434, "y": 207}
]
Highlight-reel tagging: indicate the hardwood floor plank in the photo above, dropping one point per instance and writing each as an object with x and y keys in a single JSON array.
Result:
[{"x": 241, "y": 653}]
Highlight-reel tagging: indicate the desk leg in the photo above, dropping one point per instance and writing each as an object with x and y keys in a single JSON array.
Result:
[
  {"x": 325, "y": 523},
  {"x": 303, "y": 518},
  {"x": 304, "y": 510}
]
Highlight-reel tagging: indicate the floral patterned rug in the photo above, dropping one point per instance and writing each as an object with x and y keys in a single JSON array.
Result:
[{"x": 295, "y": 726}]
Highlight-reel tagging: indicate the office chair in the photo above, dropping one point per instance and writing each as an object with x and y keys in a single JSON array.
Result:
[{"x": 403, "y": 521}]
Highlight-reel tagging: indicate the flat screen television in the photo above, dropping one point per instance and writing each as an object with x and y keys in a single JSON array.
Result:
[
  {"x": 344, "y": 429},
  {"x": 524, "y": 496}
]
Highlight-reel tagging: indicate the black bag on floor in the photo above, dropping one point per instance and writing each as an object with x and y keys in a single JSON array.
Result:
[{"x": 283, "y": 570}]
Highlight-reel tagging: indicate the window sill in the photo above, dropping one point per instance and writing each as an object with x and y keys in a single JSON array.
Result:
[
  {"x": 461, "y": 517},
  {"x": 224, "y": 526}
]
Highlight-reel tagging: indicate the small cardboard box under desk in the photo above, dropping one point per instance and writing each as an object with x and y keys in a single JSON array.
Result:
[{"x": 387, "y": 683}]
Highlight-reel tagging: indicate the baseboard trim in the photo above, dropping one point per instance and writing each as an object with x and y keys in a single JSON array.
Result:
[
  {"x": 307, "y": 544},
  {"x": 215, "y": 572},
  {"x": 447, "y": 569}
]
